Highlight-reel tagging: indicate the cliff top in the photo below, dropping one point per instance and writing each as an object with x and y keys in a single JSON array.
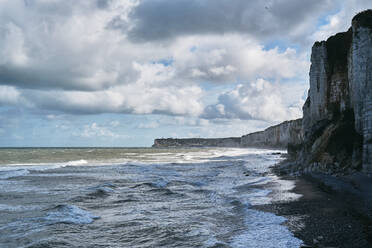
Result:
[{"x": 363, "y": 19}]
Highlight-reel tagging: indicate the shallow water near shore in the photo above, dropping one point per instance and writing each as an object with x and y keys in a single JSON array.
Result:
[{"x": 102, "y": 197}]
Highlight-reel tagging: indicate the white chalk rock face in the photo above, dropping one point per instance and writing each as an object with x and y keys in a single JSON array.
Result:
[
  {"x": 360, "y": 77},
  {"x": 278, "y": 136},
  {"x": 337, "y": 116},
  {"x": 318, "y": 83}
]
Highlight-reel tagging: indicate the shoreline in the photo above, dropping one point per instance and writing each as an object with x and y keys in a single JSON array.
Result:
[{"x": 326, "y": 215}]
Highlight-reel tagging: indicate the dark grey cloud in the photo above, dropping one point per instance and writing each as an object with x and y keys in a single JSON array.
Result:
[
  {"x": 52, "y": 78},
  {"x": 164, "y": 19},
  {"x": 103, "y": 4}
]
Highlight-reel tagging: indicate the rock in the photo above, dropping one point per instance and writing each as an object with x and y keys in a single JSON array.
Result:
[
  {"x": 276, "y": 136},
  {"x": 360, "y": 74},
  {"x": 337, "y": 115},
  {"x": 315, "y": 241}
]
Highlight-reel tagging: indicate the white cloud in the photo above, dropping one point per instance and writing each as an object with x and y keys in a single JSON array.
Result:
[
  {"x": 9, "y": 95},
  {"x": 94, "y": 130},
  {"x": 223, "y": 70},
  {"x": 341, "y": 20},
  {"x": 260, "y": 100},
  {"x": 63, "y": 127},
  {"x": 115, "y": 123},
  {"x": 13, "y": 47},
  {"x": 187, "y": 121},
  {"x": 232, "y": 57},
  {"x": 149, "y": 125},
  {"x": 153, "y": 92}
]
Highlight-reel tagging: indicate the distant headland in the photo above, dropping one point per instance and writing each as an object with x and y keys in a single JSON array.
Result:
[{"x": 278, "y": 136}]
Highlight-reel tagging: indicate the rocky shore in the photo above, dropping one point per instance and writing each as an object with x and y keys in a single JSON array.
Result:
[{"x": 325, "y": 215}]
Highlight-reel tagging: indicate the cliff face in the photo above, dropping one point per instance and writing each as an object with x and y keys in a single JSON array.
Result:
[
  {"x": 337, "y": 115},
  {"x": 360, "y": 77},
  {"x": 276, "y": 136}
]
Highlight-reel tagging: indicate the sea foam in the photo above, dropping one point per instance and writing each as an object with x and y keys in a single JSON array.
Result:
[{"x": 70, "y": 214}]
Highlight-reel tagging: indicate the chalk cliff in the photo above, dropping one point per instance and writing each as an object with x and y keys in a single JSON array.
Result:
[
  {"x": 337, "y": 115},
  {"x": 273, "y": 137},
  {"x": 276, "y": 136}
]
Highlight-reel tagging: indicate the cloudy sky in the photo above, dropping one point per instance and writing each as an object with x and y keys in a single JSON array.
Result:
[{"x": 123, "y": 72}]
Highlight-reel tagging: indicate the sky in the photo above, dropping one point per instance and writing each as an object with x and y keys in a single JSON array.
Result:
[{"x": 124, "y": 72}]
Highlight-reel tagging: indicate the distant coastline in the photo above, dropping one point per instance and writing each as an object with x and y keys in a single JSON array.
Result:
[{"x": 278, "y": 136}]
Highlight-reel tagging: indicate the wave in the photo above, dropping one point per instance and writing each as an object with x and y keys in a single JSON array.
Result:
[
  {"x": 70, "y": 214},
  {"x": 16, "y": 170},
  {"x": 50, "y": 243},
  {"x": 46, "y": 166},
  {"x": 16, "y": 208},
  {"x": 161, "y": 183},
  {"x": 99, "y": 191},
  {"x": 76, "y": 162},
  {"x": 265, "y": 230},
  {"x": 125, "y": 201},
  {"x": 6, "y": 174},
  {"x": 102, "y": 190}
]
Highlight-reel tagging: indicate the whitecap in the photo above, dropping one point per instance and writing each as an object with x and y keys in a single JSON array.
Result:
[
  {"x": 70, "y": 214},
  {"x": 160, "y": 183},
  {"x": 76, "y": 162},
  {"x": 16, "y": 170},
  {"x": 265, "y": 230}
]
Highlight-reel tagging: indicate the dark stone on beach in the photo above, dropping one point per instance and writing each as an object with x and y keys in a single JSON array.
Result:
[{"x": 324, "y": 215}]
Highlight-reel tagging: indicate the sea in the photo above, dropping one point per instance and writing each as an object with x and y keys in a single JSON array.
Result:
[{"x": 141, "y": 197}]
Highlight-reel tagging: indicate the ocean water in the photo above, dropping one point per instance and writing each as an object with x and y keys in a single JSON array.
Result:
[{"x": 200, "y": 197}]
